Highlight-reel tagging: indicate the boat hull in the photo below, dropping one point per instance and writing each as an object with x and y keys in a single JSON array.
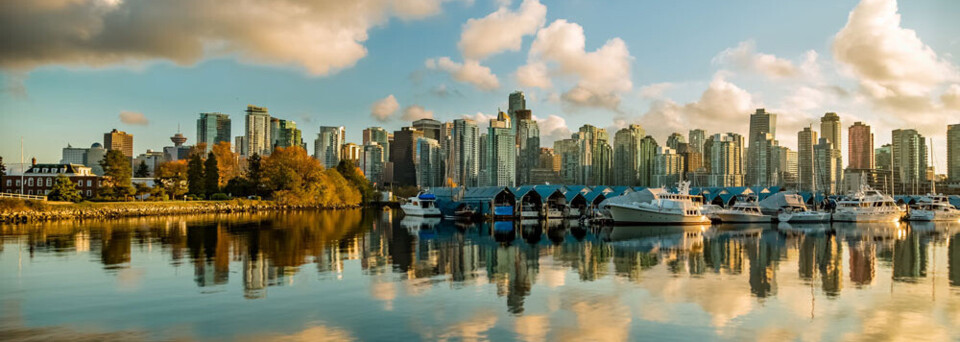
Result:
[
  {"x": 847, "y": 216},
  {"x": 808, "y": 217},
  {"x": 742, "y": 218},
  {"x": 930, "y": 216},
  {"x": 636, "y": 215},
  {"x": 412, "y": 210}
]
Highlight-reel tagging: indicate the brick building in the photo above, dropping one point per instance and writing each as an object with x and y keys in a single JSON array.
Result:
[{"x": 39, "y": 179}]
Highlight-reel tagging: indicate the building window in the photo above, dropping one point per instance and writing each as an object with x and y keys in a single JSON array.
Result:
[
  {"x": 29, "y": 192},
  {"x": 9, "y": 182},
  {"x": 44, "y": 170},
  {"x": 30, "y": 182},
  {"x": 46, "y": 192},
  {"x": 88, "y": 193},
  {"x": 89, "y": 183},
  {"x": 49, "y": 181},
  {"x": 18, "y": 182}
]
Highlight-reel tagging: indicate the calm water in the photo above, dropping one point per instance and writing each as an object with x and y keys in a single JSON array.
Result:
[{"x": 353, "y": 275}]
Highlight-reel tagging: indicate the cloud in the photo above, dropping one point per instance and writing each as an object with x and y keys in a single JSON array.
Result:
[
  {"x": 896, "y": 70},
  {"x": 745, "y": 57},
  {"x": 443, "y": 90},
  {"x": 655, "y": 90},
  {"x": 133, "y": 118},
  {"x": 951, "y": 97},
  {"x": 321, "y": 37},
  {"x": 482, "y": 120},
  {"x": 382, "y": 109},
  {"x": 534, "y": 75},
  {"x": 552, "y": 128},
  {"x": 416, "y": 112},
  {"x": 502, "y": 30},
  {"x": 602, "y": 75},
  {"x": 722, "y": 107},
  {"x": 470, "y": 71}
]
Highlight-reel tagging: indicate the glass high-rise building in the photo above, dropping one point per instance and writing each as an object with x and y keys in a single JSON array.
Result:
[
  {"x": 696, "y": 138},
  {"x": 806, "y": 140},
  {"x": 372, "y": 162},
  {"x": 428, "y": 163},
  {"x": 825, "y": 161},
  {"x": 909, "y": 153},
  {"x": 674, "y": 141},
  {"x": 501, "y": 156},
  {"x": 402, "y": 154},
  {"x": 626, "y": 155},
  {"x": 464, "y": 153},
  {"x": 860, "y": 148},
  {"x": 256, "y": 137},
  {"x": 953, "y": 152},
  {"x": 516, "y": 101},
  {"x": 328, "y": 145},
  {"x": 119, "y": 140},
  {"x": 431, "y": 128},
  {"x": 668, "y": 167},
  {"x": 723, "y": 158},
  {"x": 285, "y": 133},
  {"x": 380, "y": 136},
  {"x": 830, "y": 130},
  {"x": 528, "y": 149},
  {"x": 213, "y": 128},
  {"x": 763, "y": 133}
]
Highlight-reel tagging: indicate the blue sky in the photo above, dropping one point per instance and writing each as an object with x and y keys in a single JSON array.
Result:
[{"x": 677, "y": 76}]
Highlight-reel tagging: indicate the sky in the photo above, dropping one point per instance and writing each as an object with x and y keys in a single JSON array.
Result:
[{"x": 71, "y": 70}]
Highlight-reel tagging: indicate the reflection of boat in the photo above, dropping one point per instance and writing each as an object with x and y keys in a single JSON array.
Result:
[
  {"x": 870, "y": 230},
  {"x": 803, "y": 215},
  {"x": 710, "y": 211},
  {"x": 414, "y": 224},
  {"x": 744, "y": 212},
  {"x": 934, "y": 208},
  {"x": 803, "y": 228},
  {"x": 657, "y": 238},
  {"x": 529, "y": 211},
  {"x": 464, "y": 212},
  {"x": 664, "y": 208},
  {"x": 421, "y": 205},
  {"x": 867, "y": 205}
]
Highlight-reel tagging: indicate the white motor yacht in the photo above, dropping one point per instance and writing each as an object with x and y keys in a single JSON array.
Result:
[
  {"x": 421, "y": 205},
  {"x": 934, "y": 208},
  {"x": 743, "y": 212},
  {"x": 664, "y": 208},
  {"x": 802, "y": 215},
  {"x": 867, "y": 205}
]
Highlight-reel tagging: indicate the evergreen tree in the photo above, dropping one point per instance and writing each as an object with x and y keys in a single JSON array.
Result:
[
  {"x": 3, "y": 168},
  {"x": 118, "y": 174},
  {"x": 255, "y": 174},
  {"x": 64, "y": 190},
  {"x": 142, "y": 170},
  {"x": 195, "y": 181},
  {"x": 211, "y": 174},
  {"x": 349, "y": 170}
]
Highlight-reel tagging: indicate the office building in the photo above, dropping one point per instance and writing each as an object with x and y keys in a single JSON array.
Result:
[
  {"x": 380, "y": 136},
  {"x": 74, "y": 155},
  {"x": 909, "y": 153},
  {"x": 351, "y": 152},
  {"x": 501, "y": 154},
  {"x": 860, "y": 148},
  {"x": 151, "y": 159},
  {"x": 696, "y": 139},
  {"x": 830, "y": 130},
  {"x": 372, "y": 162},
  {"x": 213, "y": 128},
  {"x": 327, "y": 146},
  {"x": 674, "y": 141},
  {"x": 626, "y": 155},
  {"x": 431, "y": 128},
  {"x": 763, "y": 132},
  {"x": 528, "y": 149},
  {"x": 515, "y": 102},
  {"x": 120, "y": 141},
  {"x": 596, "y": 155},
  {"x": 402, "y": 153},
  {"x": 464, "y": 155},
  {"x": 953, "y": 153},
  {"x": 95, "y": 154},
  {"x": 723, "y": 159},
  {"x": 284, "y": 133},
  {"x": 806, "y": 170},
  {"x": 647, "y": 162},
  {"x": 427, "y": 162},
  {"x": 257, "y": 138},
  {"x": 882, "y": 157},
  {"x": 825, "y": 162},
  {"x": 669, "y": 167}
]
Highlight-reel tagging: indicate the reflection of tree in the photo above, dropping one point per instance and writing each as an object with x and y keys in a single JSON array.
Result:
[
  {"x": 115, "y": 248},
  {"x": 909, "y": 258}
]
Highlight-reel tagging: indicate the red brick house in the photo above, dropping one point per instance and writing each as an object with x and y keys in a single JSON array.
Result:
[{"x": 39, "y": 179}]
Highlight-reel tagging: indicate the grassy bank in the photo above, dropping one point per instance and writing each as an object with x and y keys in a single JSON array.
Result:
[{"x": 21, "y": 211}]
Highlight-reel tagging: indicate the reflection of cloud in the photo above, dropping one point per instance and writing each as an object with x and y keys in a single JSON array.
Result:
[
  {"x": 598, "y": 319},
  {"x": 384, "y": 290},
  {"x": 128, "y": 279},
  {"x": 532, "y": 328},
  {"x": 721, "y": 298},
  {"x": 474, "y": 328},
  {"x": 314, "y": 333}
]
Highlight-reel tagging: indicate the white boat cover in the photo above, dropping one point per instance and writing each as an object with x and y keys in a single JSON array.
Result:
[
  {"x": 642, "y": 196},
  {"x": 782, "y": 200}
]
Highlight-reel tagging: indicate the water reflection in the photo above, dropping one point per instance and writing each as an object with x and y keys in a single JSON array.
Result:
[{"x": 723, "y": 269}]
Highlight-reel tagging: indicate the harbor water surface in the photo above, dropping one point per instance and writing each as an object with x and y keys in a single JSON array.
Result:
[{"x": 370, "y": 275}]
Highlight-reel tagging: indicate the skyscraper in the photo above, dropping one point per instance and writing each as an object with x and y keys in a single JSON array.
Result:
[
  {"x": 285, "y": 133},
  {"x": 177, "y": 151},
  {"x": 830, "y": 130},
  {"x": 431, "y": 128},
  {"x": 723, "y": 156},
  {"x": 825, "y": 161},
  {"x": 257, "y": 132},
  {"x": 882, "y": 158},
  {"x": 647, "y": 162},
  {"x": 953, "y": 152},
  {"x": 528, "y": 149},
  {"x": 669, "y": 166},
  {"x": 596, "y": 155},
  {"x": 626, "y": 155},
  {"x": 427, "y": 162},
  {"x": 806, "y": 140},
  {"x": 327, "y": 146},
  {"x": 763, "y": 132},
  {"x": 464, "y": 153},
  {"x": 696, "y": 139},
  {"x": 371, "y": 163},
  {"x": 501, "y": 154},
  {"x": 516, "y": 102},
  {"x": 380, "y": 136},
  {"x": 74, "y": 155},
  {"x": 351, "y": 152},
  {"x": 763, "y": 160},
  {"x": 569, "y": 153},
  {"x": 909, "y": 155},
  {"x": 861, "y": 147},
  {"x": 674, "y": 141},
  {"x": 402, "y": 153},
  {"x": 213, "y": 128},
  {"x": 119, "y": 140}
]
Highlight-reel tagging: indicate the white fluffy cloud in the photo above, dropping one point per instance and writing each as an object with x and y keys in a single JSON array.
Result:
[
  {"x": 319, "y": 36},
  {"x": 383, "y": 109},
  {"x": 483, "y": 120},
  {"x": 894, "y": 67},
  {"x": 469, "y": 71},
  {"x": 552, "y": 128},
  {"x": 653, "y": 91},
  {"x": 602, "y": 75},
  {"x": 745, "y": 57},
  {"x": 502, "y": 30},
  {"x": 723, "y": 107},
  {"x": 416, "y": 112},
  {"x": 534, "y": 75},
  {"x": 951, "y": 97},
  {"x": 133, "y": 118}
]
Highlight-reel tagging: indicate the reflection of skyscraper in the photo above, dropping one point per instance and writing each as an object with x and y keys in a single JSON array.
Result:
[
  {"x": 255, "y": 276},
  {"x": 862, "y": 262},
  {"x": 909, "y": 258},
  {"x": 953, "y": 260},
  {"x": 829, "y": 261}
]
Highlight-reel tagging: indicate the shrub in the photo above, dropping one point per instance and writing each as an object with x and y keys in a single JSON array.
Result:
[{"x": 219, "y": 197}]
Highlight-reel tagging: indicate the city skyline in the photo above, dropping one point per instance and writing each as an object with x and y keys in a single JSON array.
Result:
[{"x": 666, "y": 89}]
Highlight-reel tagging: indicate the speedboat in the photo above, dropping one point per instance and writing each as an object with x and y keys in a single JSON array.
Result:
[
  {"x": 421, "y": 205},
  {"x": 743, "y": 212},
  {"x": 867, "y": 205},
  {"x": 934, "y": 208},
  {"x": 664, "y": 208},
  {"x": 802, "y": 215}
]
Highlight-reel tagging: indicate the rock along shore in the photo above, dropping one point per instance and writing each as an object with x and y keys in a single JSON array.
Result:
[{"x": 139, "y": 209}]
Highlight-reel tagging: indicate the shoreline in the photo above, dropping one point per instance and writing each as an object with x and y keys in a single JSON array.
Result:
[{"x": 53, "y": 211}]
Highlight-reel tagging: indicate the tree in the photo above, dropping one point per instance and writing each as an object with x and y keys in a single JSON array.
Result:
[
  {"x": 211, "y": 175},
  {"x": 349, "y": 170},
  {"x": 3, "y": 168},
  {"x": 227, "y": 162},
  {"x": 142, "y": 170},
  {"x": 64, "y": 190},
  {"x": 141, "y": 189},
  {"x": 195, "y": 180},
  {"x": 117, "y": 173},
  {"x": 172, "y": 178},
  {"x": 296, "y": 178},
  {"x": 255, "y": 174}
]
